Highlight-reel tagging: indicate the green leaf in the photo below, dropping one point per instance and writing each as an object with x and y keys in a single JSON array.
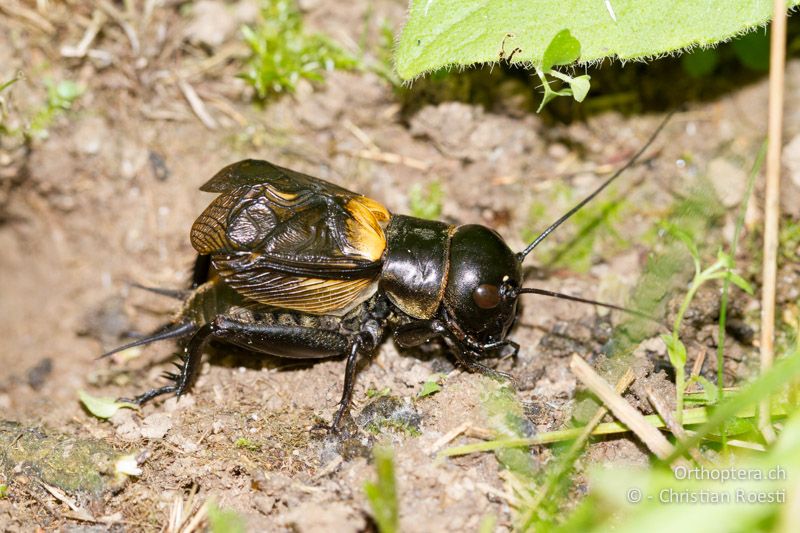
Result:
[
  {"x": 442, "y": 33},
  {"x": 676, "y": 351},
  {"x": 426, "y": 203},
  {"x": 9, "y": 83},
  {"x": 739, "y": 281},
  {"x": 382, "y": 494},
  {"x": 684, "y": 237},
  {"x": 709, "y": 389},
  {"x": 580, "y": 87},
  {"x": 428, "y": 388},
  {"x": 103, "y": 407},
  {"x": 562, "y": 50},
  {"x": 725, "y": 259}
]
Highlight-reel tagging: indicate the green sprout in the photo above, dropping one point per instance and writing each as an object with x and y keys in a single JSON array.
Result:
[
  {"x": 564, "y": 49},
  {"x": 431, "y": 386},
  {"x": 60, "y": 97},
  {"x": 377, "y": 393},
  {"x": 722, "y": 269},
  {"x": 244, "y": 443},
  {"x": 281, "y": 53}
]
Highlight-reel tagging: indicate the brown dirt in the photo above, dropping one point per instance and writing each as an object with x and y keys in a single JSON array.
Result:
[{"x": 108, "y": 197}]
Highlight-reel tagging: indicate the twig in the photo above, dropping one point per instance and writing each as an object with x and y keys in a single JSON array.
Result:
[
  {"x": 32, "y": 18},
  {"x": 492, "y": 491},
  {"x": 650, "y": 436},
  {"x": 226, "y": 108},
  {"x": 449, "y": 436},
  {"x": 81, "y": 49},
  {"x": 197, "y": 105},
  {"x": 120, "y": 19},
  {"x": 676, "y": 429},
  {"x": 772, "y": 202},
  {"x": 697, "y": 367},
  {"x": 196, "y": 520},
  {"x": 361, "y": 135},
  {"x": 58, "y": 494},
  {"x": 391, "y": 158}
]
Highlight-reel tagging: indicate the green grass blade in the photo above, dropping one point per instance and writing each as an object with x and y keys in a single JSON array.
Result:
[{"x": 382, "y": 494}]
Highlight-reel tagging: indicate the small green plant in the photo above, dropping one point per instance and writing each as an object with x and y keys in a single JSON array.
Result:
[
  {"x": 3, "y": 491},
  {"x": 377, "y": 393},
  {"x": 431, "y": 386},
  {"x": 382, "y": 493},
  {"x": 722, "y": 269},
  {"x": 224, "y": 520},
  {"x": 60, "y": 98},
  {"x": 243, "y": 443},
  {"x": 281, "y": 53},
  {"x": 426, "y": 202},
  {"x": 562, "y": 50}
]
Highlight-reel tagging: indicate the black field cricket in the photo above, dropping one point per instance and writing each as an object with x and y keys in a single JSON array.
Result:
[{"x": 292, "y": 266}]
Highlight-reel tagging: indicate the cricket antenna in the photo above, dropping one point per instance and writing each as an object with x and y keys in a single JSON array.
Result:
[
  {"x": 521, "y": 255},
  {"x": 544, "y": 292}
]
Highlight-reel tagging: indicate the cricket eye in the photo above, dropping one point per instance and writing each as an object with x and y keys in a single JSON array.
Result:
[{"x": 486, "y": 296}]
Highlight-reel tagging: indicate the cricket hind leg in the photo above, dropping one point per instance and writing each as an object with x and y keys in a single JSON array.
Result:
[{"x": 187, "y": 368}]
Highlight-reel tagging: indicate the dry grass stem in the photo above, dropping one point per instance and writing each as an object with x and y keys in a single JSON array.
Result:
[
  {"x": 650, "y": 436},
  {"x": 82, "y": 48},
  {"x": 447, "y": 437},
  {"x": 772, "y": 201},
  {"x": 677, "y": 430},
  {"x": 27, "y": 16},
  {"x": 197, "y": 105}
]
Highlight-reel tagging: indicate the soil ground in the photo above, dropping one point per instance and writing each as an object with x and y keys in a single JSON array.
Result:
[{"x": 108, "y": 196}]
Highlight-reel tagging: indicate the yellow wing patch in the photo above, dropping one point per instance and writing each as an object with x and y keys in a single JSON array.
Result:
[{"x": 365, "y": 227}]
